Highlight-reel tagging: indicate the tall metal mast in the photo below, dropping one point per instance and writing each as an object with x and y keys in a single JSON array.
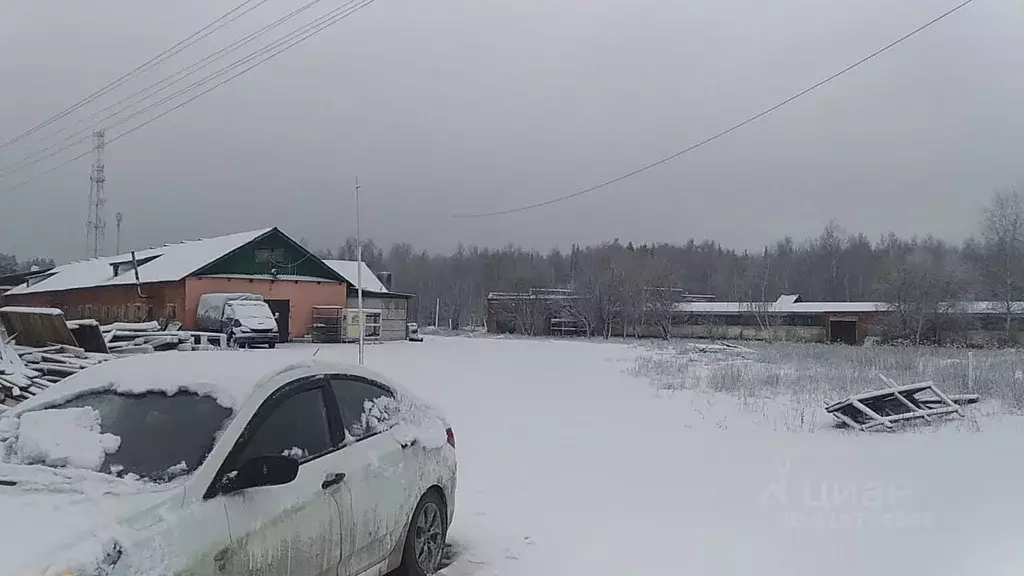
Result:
[{"x": 96, "y": 225}]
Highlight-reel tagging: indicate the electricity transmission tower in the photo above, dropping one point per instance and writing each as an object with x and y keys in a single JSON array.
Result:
[{"x": 96, "y": 225}]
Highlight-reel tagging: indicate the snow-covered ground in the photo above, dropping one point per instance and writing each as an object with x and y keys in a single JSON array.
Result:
[{"x": 578, "y": 458}]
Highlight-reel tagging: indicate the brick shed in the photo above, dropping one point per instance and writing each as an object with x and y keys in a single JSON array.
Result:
[{"x": 171, "y": 278}]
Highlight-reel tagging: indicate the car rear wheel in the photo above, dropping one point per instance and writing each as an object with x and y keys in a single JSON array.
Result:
[{"x": 424, "y": 543}]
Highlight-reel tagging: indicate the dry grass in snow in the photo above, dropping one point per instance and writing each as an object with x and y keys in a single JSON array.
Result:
[{"x": 786, "y": 385}]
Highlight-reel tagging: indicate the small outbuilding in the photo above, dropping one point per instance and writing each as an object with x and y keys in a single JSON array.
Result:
[{"x": 377, "y": 295}]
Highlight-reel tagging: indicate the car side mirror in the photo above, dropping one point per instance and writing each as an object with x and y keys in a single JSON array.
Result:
[
  {"x": 261, "y": 471},
  {"x": 277, "y": 315}
]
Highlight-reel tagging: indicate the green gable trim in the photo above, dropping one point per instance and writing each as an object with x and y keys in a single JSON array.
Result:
[{"x": 271, "y": 252}]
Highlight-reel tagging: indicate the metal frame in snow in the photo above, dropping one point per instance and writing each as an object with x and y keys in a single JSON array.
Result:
[{"x": 895, "y": 404}]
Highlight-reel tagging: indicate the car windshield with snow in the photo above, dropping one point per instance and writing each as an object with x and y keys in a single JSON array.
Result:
[
  {"x": 140, "y": 466},
  {"x": 160, "y": 436}
]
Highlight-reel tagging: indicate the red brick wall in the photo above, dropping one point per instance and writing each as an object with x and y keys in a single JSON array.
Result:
[
  {"x": 112, "y": 303},
  {"x": 302, "y": 296},
  {"x": 179, "y": 300}
]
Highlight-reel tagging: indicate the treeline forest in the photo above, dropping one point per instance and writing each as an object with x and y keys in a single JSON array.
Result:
[
  {"x": 620, "y": 283},
  {"x": 9, "y": 264},
  {"x": 921, "y": 277}
]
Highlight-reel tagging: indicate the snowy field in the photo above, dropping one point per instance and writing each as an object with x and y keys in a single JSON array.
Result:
[{"x": 610, "y": 459}]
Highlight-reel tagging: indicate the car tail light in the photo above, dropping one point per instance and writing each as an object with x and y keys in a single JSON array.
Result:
[{"x": 451, "y": 437}]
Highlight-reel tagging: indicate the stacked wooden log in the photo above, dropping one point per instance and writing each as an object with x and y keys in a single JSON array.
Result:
[
  {"x": 146, "y": 337},
  {"x": 44, "y": 349},
  {"x": 26, "y": 371}
]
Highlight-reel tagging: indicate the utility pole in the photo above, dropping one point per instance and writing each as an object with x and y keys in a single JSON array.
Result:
[
  {"x": 96, "y": 226},
  {"x": 359, "y": 277},
  {"x": 118, "y": 218}
]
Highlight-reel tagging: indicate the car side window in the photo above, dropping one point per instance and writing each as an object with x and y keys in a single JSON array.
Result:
[
  {"x": 362, "y": 414},
  {"x": 297, "y": 427}
]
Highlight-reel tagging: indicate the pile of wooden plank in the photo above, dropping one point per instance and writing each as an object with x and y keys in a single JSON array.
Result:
[
  {"x": 38, "y": 348},
  {"x": 26, "y": 371},
  {"x": 142, "y": 338}
]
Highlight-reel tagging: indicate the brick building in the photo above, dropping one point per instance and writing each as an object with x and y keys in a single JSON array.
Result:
[{"x": 165, "y": 283}]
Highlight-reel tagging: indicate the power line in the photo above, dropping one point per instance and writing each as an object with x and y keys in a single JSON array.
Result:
[
  {"x": 725, "y": 132},
  {"x": 50, "y": 171},
  {"x": 42, "y": 155},
  {"x": 32, "y": 160},
  {"x": 321, "y": 27},
  {"x": 168, "y": 53},
  {"x": 310, "y": 34},
  {"x": 172, "y": 79}
]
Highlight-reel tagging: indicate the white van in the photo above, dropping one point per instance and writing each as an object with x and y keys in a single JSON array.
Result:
[{"x": 244, "y": 318}]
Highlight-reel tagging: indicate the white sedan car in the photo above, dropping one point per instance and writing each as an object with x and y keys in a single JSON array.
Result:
[{"x": 224, "y": 463}]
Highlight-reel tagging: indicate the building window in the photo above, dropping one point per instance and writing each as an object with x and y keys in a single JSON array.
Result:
[
  {"x": 172, "y": 311},
  {"x": 273, "y": 256}
]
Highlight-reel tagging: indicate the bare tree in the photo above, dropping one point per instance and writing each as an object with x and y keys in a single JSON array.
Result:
[
  {"x": 600, "y": 290},
  {"x": 923, "y": 289},
  {"x": 1000, "y": 257},
  {"x": 661, "y": 298},
  {"x": 755, "y": 293}
]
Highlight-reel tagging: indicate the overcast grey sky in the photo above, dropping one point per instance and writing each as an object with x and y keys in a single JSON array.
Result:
[{"x": 444, "y": 106}]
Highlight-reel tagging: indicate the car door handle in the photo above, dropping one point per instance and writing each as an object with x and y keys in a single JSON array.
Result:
[{"x": 333, "y": 480}]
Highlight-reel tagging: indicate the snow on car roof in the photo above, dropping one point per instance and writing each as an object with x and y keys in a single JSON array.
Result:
[{"x": 229, "y": 376}]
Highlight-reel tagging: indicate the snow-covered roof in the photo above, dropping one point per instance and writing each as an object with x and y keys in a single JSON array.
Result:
[
  {"x": 31, "y": 310},
  {"x": 168, "y": 263},
  {"x": 786, "y": 304},
  {"x": 349, "y": 270},
  {"x": 789, "y": 304},
  {"x": 279, "y": 277},
  {"x": 534, "y": 294}
]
